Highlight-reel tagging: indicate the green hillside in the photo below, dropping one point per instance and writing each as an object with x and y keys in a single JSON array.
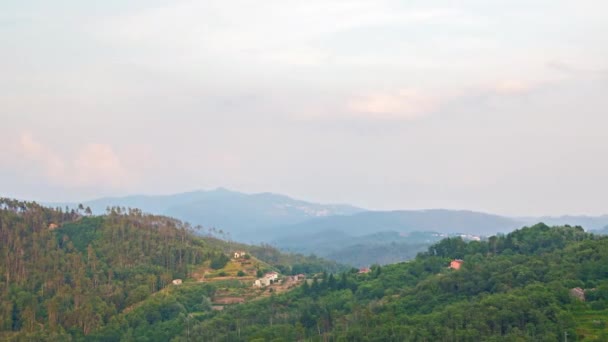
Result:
[
  {"x": 68, "y": 275},
  {"x": 511, "y": 288}
]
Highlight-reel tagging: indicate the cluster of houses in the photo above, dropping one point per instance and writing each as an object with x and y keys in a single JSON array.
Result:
[
  {"x": 239, "y": 254},
  {"x": 267, "y": 279},
  {"x": 273, "y": 277}
]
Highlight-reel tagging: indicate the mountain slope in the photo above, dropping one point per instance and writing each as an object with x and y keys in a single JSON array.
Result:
[{"x": 435, "y": 220}]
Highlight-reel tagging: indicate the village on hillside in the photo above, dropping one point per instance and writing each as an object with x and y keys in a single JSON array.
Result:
[{"x": 245, "y": 278}]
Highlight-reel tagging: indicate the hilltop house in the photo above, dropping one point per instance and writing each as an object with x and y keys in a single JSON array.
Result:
[
  {"x": 239, "y": 254},
  {"x": 177, "y": 281},
  {"x": 456, "y": 264},
  {"x": 266, "y": 280},
  {"x": 53, "y": 226}
]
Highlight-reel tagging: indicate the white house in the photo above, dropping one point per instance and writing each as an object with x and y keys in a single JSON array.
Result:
[
  {"x": 177, "y": 281},
  {"x": 239, "y": 254},
  {"x": 267, "y": 279}
]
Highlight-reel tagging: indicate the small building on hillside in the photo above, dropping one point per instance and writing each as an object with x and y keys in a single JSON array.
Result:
[
  {"x": 177, "y": 281},
  {"x": 53, "y": 226},
  {"x": 578, "y": 293},
  {"x": 364, "y": 270},
  {"x": 239, "y": 254},
  {"x": 456, "y": 264},
  {"x": 267, "y": 279}
]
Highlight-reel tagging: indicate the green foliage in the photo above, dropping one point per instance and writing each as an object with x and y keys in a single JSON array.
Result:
[
  {"x": 219, "y": 261},
  {"x": 81, "y": 233},
  {"x": 160, "y": 317}
]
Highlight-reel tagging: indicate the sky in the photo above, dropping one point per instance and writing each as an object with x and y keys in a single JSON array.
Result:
[{"x": 495, "y": 106}]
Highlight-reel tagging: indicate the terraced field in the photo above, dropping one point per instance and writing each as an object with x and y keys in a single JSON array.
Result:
[{"x": 592, "y": 324}]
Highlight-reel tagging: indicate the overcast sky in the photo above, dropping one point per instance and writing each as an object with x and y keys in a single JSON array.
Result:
[{"x": 497, "y": 106}]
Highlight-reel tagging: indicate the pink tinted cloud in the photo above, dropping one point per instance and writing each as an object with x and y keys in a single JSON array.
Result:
[{"x": 92, "y": 165}]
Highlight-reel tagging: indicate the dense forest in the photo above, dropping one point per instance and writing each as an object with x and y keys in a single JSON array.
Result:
[
  {"x": 516, "y": 287},
  {"x": 65, "y": 273}
]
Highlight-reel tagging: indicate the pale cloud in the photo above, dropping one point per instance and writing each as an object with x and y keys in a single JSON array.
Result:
[
  {"x": 304, "y": 56},
  {"x": 92, "y": 165},
  {"x": 512, "y": 87},
  {"x": 573, "y": 70},
  {"x": 404, "y": 104},
  {"x": 287, "y": 32}
]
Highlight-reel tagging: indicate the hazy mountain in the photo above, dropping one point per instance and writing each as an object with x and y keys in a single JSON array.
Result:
[
  {"x": 377, "y": 248},
  {"x": 339, "y": 232},
  {"x": 240, "y": 214},
  {"x": 435, "y": 220},
  {"x": 385, "y": 237}
]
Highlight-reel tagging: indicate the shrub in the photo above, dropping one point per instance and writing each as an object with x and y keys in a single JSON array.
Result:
[{"x": 219, "y": 261}]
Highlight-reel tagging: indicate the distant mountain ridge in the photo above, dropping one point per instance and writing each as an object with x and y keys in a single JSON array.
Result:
[
  {"x": 436, "y": 220},
  {"x": 342, "y": 233},
  {"x": 238, "y": 213},
  {"x": 384, "y": 237}
]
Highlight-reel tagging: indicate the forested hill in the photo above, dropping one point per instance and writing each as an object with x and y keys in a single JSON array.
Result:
[
  {"x": 66, "y": 274},
  {"x": 70, "y": 276},
  {"x": 61, "y": 271},
  {"x": 511, "y": 288}
]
